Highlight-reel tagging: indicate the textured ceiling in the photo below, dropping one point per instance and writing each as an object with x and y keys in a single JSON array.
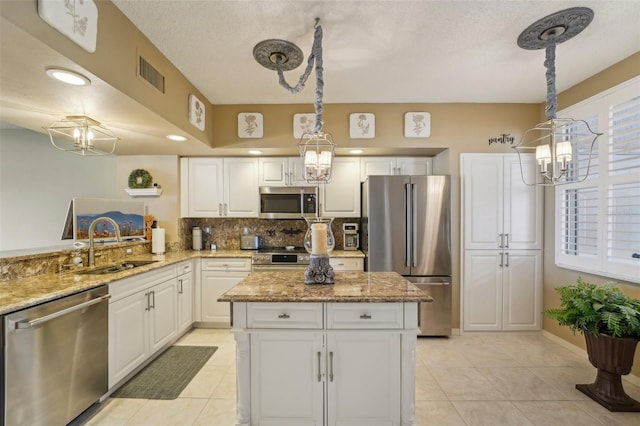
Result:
[{"x": 383, "y": 51}]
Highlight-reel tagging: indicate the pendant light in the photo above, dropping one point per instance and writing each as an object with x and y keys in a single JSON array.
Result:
[
  {"x": 317, "y": 148},
  {"x": 562, "y": 146},
  {"x": 84, "y": 136}
]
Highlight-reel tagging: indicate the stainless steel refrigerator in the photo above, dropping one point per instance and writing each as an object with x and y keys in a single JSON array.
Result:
[{"x": 406, "y": 228}]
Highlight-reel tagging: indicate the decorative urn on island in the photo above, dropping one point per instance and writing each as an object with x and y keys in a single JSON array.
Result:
[{"x": 319, "y": 241}]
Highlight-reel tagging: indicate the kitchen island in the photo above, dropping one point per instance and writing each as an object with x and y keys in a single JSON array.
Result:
[{"x": 339, "y": 354}]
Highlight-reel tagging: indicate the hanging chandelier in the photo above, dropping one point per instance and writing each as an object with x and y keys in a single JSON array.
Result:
[
  {"x": 562, "y": 146},
  {"x": 82, "y": 135},
  {"x": 316, "y": 148}
]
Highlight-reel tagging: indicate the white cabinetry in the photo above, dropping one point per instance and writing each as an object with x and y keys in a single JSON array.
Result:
[
  {"x": 394, "y": 166},
  {"x": 348, "y": 371},
  {"x": 217, "y": 276},
  {"x": 216, "y": 187},
  {"x": 502, "y": 242},
  {"x": 500, "y": 211},
  {"x": 142, "y": 319},
  {"x": 185, "y": 284},
  {"x": 341, "y": 196},
  {"x": 341, "y": 264},
  {"x": 502, "y": 290},
  {"x": 282, "y": 171}
]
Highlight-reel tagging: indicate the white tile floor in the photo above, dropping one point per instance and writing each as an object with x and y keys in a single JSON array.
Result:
[{"x": 488, "y": 379}]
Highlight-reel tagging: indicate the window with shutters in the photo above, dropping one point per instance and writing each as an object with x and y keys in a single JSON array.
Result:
[{"x": 598, "y": 220}]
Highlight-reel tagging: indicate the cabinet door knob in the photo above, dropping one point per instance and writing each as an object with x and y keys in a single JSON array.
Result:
[{"x": 284, "y": 316}]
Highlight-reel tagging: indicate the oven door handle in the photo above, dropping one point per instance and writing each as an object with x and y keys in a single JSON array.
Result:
[{"x": 24, "y": 324}]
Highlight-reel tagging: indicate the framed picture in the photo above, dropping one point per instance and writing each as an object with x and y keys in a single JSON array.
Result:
[
  {"x": 362, "y": 125},
  {"x": 77, "y": 20},
  {"x": 250, "y": 125},
  {"x": 303, "y": 123},
  {"x": 417, "y": 125},
  {"x": 129, "y": 215},
  {"x": 196, "y": 112}
]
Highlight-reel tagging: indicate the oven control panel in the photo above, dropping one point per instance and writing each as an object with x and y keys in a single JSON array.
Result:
[{"x": 280, "y": 259}]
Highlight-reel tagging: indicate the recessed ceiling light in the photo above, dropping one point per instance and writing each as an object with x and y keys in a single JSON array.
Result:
[
  {"x": 68, "y": 76},
  {"x": 176, "y": 138},
  {"x": 254, "y": 152},
  {"x": 356, "y": 151}
]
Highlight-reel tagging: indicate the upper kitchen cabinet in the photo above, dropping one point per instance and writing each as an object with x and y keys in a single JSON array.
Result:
[
  {"x": 217, "y": 187},
  {"x": 388, "y": 166},
  {"x": 341, "y": 196},
  {"x": 282, "y": 171},
  {"x": 499, "y": 210}
]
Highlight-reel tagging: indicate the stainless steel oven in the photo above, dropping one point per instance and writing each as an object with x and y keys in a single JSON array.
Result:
[
  {"x": 279, "y": 259},
  {"x": 288, "y": 202}
]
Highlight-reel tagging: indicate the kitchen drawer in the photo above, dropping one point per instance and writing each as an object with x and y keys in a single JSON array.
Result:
[
  {"x": 365, "y": 315},
  {"x": 128, "y": 286},
  {"x": 284, "y": 315},
  {"x": 226, "y": 264},
  {"x": 184, "y": 268},
  {"x": 346, "y": 263}
]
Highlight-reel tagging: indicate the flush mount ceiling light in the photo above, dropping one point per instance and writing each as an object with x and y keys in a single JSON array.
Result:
[
  {"x": 86, "y": 136},
  {"x": 562, "y": 146},
  {"x": 68, "y": 76},
  {"x": 316, "y": 148},
  {"x": 176, "y": 138}
]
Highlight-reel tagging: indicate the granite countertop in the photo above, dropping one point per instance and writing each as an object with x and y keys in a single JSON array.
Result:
[
  {"x": 26, "y": 292},
  {"x": 289, "y": 286}
]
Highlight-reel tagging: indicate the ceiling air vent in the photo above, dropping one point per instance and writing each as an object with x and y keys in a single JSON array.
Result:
[{"x": 150, "y": 74}]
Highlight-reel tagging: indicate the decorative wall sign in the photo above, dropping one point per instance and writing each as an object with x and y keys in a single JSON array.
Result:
[
  {"x": 250, "y": 125},
  {"x": 76, "y": 19},
  {"x": 417, "y": 125},
  {"x": 362, "y": 125},
  {"x": 303, "y": 123},
  {"x": 196, "y": 112},
  {"x": 503, "y": 139}
]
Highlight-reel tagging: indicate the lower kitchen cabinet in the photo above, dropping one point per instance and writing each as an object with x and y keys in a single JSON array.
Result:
[
  {"x": 185, "y": 287},
  {"x": 143, "y": 319},
  {"x": 216, "y": 277},
  {"x": 502, "y": 290},
  {"x": 341, "y": 264},
  {"x": 344, "y": 371},
  {"x": 287, "y": 378}
]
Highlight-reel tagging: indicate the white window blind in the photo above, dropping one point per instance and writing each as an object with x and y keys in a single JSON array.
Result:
[{"x": 598, "y": 220}]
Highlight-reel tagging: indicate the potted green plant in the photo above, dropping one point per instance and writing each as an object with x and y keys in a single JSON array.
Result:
[{"x": 610, "y": 322}]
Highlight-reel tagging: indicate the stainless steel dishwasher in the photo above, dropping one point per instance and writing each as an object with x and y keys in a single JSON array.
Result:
[{"x": 55, "y": 359}]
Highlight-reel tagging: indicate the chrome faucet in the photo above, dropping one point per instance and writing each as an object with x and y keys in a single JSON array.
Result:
[{"x": 92, "y": 257}]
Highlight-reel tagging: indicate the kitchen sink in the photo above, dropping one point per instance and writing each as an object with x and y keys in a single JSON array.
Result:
[{"x": 119, "y": 267}]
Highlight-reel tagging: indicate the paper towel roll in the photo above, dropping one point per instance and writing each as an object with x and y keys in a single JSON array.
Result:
[{"x": 157, "y": 240}]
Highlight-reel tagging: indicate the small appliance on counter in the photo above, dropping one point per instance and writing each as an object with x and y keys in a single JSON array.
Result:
[
  {"x": 250, "y": 242},
  {"x": 351, "y": 238}
]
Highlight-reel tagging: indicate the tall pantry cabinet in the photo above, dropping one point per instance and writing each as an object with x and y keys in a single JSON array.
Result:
[{"x": 501, "y": 243}]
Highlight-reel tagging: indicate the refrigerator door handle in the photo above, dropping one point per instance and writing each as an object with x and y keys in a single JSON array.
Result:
[
  {"x": 407, "y": 237},
  {"x": 414, "y": 226}
]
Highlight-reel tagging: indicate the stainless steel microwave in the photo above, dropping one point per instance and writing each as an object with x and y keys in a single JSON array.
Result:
[{"x": 288, "y": 202}]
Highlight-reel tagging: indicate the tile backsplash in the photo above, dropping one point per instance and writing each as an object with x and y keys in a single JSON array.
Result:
[{"x": 225, "y": 232}]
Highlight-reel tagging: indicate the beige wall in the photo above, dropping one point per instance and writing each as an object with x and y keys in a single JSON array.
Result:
[
  {"x": 554, "y": 276},
  {"x": 165, "y": 172}
]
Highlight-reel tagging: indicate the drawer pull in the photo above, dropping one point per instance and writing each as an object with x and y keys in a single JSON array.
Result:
[
  {"x": 365, "y": 316},
  {"x": 284, "y": 316}
]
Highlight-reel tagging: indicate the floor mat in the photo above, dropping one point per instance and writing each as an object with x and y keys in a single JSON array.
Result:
[{"x": 168, "y": 374}]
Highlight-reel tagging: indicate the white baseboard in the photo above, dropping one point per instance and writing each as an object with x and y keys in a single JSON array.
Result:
[{"x": 634, "y": 380}]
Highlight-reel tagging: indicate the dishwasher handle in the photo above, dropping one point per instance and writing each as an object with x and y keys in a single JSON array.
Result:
[{"x": 24, "y": 324}]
